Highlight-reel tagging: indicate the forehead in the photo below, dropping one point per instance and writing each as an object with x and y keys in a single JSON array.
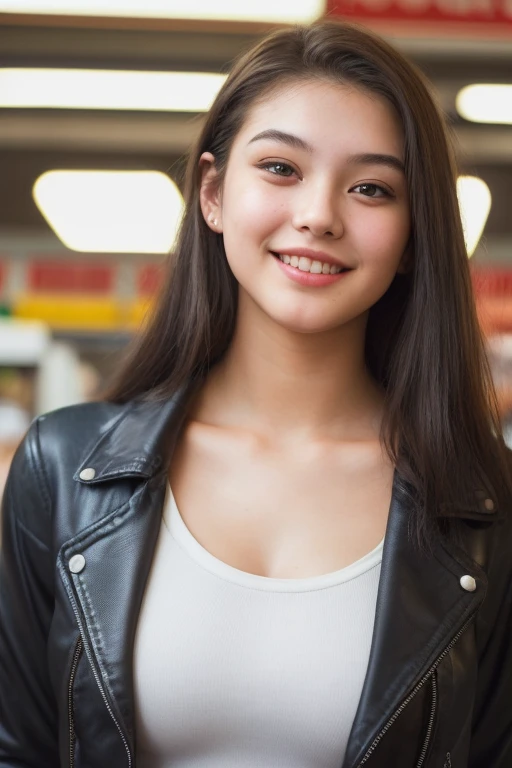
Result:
[{"x": 327, "y": 115}]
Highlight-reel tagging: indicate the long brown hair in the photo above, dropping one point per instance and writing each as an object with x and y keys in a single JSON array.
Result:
[{"x": 423, "y": 343}]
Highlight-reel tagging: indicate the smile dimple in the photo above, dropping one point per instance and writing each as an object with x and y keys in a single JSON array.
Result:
[{"x": 309, "y": 265}]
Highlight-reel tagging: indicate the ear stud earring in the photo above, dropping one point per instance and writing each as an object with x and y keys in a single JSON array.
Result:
[{"x": 212, "y": 219}]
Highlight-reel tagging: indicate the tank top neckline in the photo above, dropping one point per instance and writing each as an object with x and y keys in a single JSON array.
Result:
[{"x": 175, "y": 526}]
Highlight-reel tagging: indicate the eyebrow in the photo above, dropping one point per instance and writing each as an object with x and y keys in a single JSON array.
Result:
[
  {"x": 365, "y": 158},
  {"x": 285, "y": 138},
  {"x": 370, "y": 158}
]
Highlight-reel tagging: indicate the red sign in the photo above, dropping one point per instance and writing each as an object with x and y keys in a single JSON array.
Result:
[
  {"x": 493, "y": 282},
  {"x": 493, "y": 293},
  {"x": 451, "y": 16},
  {"x": 60, "y": 276},
  {"x": 149, "y": 279}
]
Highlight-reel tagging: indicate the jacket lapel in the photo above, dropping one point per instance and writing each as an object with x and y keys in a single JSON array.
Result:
[
  {"x": 421, "y": 606},
  {"x": 126, "y": 492}
]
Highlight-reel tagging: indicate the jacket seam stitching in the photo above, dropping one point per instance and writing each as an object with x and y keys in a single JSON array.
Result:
[
  {"x": 98, "y": 529},
  {"x": 92, "y": 656},
  {"x": 93, "y": 626},
  {"x": 136, "y": 466},
  {"x": 40, "y": 469},
  {"x": 31, "y": 535}
]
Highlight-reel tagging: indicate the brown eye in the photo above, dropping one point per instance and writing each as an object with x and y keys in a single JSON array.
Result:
[
  {"x": 369, "y": 189},
  {"x": 278, "y": 169},
  {"x": 372, "y": 190}
]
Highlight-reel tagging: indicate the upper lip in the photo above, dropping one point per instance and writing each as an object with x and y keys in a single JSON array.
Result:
[{"x": 313, "y": 255}]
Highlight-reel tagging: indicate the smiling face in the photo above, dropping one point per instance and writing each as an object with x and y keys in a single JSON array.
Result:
[{"x": 315, "y": 176}]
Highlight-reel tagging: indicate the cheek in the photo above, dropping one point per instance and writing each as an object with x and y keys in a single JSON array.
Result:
[
  {"x": 384, "y": 240},
  {"x": 250, "y": 209}
]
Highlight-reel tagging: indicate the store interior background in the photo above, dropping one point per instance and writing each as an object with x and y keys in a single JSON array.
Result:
[{"x": 66, "y": 314}]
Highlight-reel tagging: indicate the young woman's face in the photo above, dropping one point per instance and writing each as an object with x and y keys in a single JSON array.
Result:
[{"x": 315, "y": 178}]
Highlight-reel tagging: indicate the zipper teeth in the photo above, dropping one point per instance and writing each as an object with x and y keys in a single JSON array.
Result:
[
  {"x": 74, "y": 665},
  {"x": 430, "y": 722},
  {"x": 413, "y": 693},
  {"x": 102, "y": 691}
]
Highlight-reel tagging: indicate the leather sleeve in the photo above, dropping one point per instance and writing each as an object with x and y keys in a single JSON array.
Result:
[
  {"x": 28, "y": 716},
  {"x": 491, "y": 743}
]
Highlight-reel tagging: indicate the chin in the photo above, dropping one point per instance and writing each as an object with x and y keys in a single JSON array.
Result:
[{"x": 306, "y": 325}]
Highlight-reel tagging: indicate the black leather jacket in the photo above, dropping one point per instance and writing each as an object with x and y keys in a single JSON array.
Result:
[{"x": 438, "y": 689}]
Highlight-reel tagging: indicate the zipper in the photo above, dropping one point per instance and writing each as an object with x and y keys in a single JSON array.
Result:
[
  {"x": 74, "y": 665},
  {"x": 428, "y": 675},
  {"x": 100, "y": 685},
  {"x": 430, "y": 726}
]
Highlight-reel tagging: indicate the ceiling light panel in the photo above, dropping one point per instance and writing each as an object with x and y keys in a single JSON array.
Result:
[
  {"x": 491, "y": 103},
  {"x": 108, "y": 89},
  {"x": 284, "y": 11},
  {"x": 474, "y": 203},
  {"x": 111, "y": 211}
]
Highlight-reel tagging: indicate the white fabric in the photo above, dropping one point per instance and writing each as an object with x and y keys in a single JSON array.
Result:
[{"x": 234, "y": 670}]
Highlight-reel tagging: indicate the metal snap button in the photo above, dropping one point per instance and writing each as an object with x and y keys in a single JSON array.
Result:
[
  {"x": 489, "y": 504},
  {"x": 87, "y": 474},
  {"x": 77, "y": 563},
  {"x": 468, "y": 583}
]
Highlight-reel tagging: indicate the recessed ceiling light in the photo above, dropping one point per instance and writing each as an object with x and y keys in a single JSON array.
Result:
[
  {"x": 111, "y": 211},
  {"x": 482, "y": 103},
  {"x": 108, "y": 89},
  {"x": 475, "y": 203},
  {"x": 285, "y": 11}
]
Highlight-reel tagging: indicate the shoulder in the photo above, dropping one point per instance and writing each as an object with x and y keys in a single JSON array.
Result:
[
  {"x": 61, "y": 439},
  {"x": 75, "y": 426},
  {"x": 56, "y": 441},
  {"x": 47, "y": 458}
]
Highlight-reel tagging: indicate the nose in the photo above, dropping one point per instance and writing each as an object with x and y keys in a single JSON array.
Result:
[{"x": 318, "y": 210}]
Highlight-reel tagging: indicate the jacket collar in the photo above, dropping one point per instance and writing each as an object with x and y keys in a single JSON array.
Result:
[{"x": 139, "y": 442}]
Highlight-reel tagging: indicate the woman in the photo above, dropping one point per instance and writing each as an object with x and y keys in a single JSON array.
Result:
[{"x": 272, "y": 543}]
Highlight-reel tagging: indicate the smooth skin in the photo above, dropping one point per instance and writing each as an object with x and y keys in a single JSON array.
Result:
[{"x": 279, "y": 470}]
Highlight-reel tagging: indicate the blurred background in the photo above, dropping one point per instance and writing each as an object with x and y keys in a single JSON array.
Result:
[{"x": 99, "y": 101}]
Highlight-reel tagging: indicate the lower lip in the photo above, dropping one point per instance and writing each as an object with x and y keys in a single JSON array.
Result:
[{"x": 308, "y": 278}]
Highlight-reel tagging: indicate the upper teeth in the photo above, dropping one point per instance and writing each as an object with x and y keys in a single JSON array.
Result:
[{"x": 308, "y": 265}]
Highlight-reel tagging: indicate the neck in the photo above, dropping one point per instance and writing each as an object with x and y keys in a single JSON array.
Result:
[{"x": 303, "y": 385}]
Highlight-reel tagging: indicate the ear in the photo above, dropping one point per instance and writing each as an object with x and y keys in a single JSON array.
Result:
[{"x": 209, "y": 192}]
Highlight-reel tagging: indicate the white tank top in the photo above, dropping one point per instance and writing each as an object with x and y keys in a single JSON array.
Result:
[{"x": 235, "y": 670}]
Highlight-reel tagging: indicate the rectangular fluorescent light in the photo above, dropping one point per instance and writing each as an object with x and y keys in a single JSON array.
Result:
[
  {"x": 486, "y": 103},
  {"x": 111, "y": 211},
  {"x": 283, "y": 11},
  {"x": 108, "y": 89}
]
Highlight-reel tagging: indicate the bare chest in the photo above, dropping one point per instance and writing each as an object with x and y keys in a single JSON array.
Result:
[{"x": 282, "y": 515}]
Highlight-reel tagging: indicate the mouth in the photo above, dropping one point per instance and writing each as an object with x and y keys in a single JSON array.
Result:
[{"x": 313, "y": 266}]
